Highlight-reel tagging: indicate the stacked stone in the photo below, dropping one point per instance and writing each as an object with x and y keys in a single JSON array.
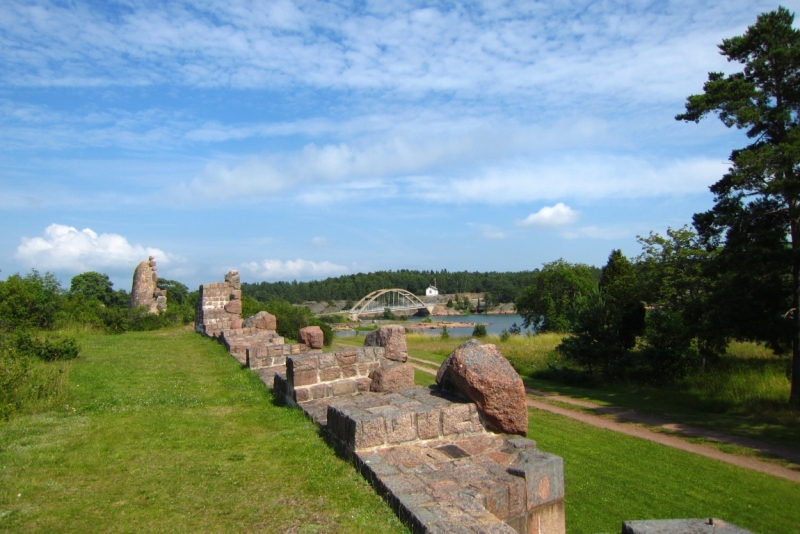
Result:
[
  {"x": 394, "y": 374},
  {"x": 238, "y": 341},
  {"x": 144, "y": 291},
  {"x": 332, "y": 374},
  {"x": 219, "y": 306},
  {"x": 368, "y": 421}
]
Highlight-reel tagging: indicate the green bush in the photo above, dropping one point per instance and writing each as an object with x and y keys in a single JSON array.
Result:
[
  {"x": 504, "y": 335},
  {"x": 58, "y": 348},
  {"x": 479, "y": 331},
  {"x": 32, "y": 301},
  {"x": 25, "y": 380},
  {"x": 445, "y": 333}
]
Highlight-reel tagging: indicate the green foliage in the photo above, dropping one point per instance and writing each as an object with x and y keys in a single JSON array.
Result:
[
  {"x": 26, "y": 381},
  {"x": 47, "y": 349},
  {"x": 445, "y": 334},
  {"x": 327, "y": 331},
  {"x": 449, "y": 303},
  {"x": 251, "y": 306},
  {"x": 32, "y": 301},
  {"x": 756, "y": 202},
  {"x": 545, "y": 304},
  {"x": 600, "y": 341},
  {"x": 504, "y": 335},
  {"x": 333, "y": 318},
  {"x": 479, "y": 331},
  {"x": 504, "y": 287},
  {"x": 388, "y": 315},
  {"x": 177, "y": 293},
  {"x": 348, "y": 305},
  {"x": 514, "y": 329},
  {"x": 670, "y": 351},
  {"x": 93, "y": 285},
  {"x": 291, "y": 319}
]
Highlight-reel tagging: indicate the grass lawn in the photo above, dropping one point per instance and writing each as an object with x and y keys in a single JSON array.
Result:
[
  {"x": 745, "y": 394},
  {"x": 165, "y": 433},
  {"x": 611, "y": 477}
]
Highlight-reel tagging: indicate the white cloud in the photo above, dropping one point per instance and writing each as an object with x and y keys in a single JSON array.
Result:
[
  {"x": 319, "y": 241},
  {"x": 293, "y": 269},
  {"x": 557, "y": 215},
  {"x": 65, "y": 247}
]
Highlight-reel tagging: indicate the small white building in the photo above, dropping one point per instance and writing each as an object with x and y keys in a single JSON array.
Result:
[{"x": 432, "y": 291}]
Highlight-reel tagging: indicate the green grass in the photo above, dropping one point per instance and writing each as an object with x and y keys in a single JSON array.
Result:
[
  {"x": 745, "y": 394},
  {"x": 611, "y": 477},
  {"x": 163, "y": 431}
]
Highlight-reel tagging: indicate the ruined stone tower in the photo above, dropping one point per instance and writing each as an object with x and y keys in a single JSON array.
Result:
[{"x": 144, "y": 291}]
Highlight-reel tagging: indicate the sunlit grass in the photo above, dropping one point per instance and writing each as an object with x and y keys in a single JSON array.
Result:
[{"x": 169, "y": 433}]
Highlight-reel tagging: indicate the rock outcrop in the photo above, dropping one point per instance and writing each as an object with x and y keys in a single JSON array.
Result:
[
  {"x": 393, "y": 340},
  {"x": 144, "y": 291},
  {"x": 482, "y": 374}
]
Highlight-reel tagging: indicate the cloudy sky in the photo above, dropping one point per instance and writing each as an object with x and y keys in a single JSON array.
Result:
[{"x": 301, "y": 139}]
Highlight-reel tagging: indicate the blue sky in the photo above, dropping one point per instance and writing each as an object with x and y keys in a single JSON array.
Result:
[{"x": 300, "y": 140}]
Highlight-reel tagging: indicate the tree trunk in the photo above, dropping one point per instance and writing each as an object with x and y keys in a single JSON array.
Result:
[{"x": 794, "y": 396}]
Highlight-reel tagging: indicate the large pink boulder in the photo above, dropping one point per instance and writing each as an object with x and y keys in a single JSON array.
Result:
[
  {"x": 483, "y": 375},
  {"x": 262, "y": 320},
  {"x": 392, "y": 377},
  {"x": 393, "y": 340},
  {"x": 312, "y": 336}
]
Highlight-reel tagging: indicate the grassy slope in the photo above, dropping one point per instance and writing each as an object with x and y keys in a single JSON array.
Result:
[
  {"x": 612, "y": 477},
  {"x": 170, "y": 435}
]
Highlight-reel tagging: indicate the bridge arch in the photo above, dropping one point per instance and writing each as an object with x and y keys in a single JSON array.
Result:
[{"x": 395, "y": 299}]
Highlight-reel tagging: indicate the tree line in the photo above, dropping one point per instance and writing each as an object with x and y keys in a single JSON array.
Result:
[{"x": 503, "y": 287}]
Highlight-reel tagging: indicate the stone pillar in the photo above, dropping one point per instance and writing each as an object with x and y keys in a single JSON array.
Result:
[{"x": 144, "y": 291}]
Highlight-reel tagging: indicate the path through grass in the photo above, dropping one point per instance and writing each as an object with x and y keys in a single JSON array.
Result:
[
  {"x": 170, "y": 435},
  {"x": 611, "y": 477}
]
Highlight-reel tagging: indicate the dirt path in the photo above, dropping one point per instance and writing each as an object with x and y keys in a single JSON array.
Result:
[{"x": 634, "y": 430}]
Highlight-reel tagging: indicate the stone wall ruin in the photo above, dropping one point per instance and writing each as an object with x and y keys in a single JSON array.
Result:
[
  {"x": 428, "y": 452},
  {"x": 144, "y": 291}
]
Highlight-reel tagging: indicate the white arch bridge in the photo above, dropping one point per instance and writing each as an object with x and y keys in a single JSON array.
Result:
[{"x": 397, "y": 300}]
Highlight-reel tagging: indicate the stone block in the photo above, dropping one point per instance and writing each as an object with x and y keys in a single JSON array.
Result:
[
  {"x": 682, "y": 526},
  {"x": 392, "y": 377},
  {"x": 302, "y": 362},
  {"x": 301, "y": 394},
  {"x": 304, "y": 378},
  {"x": 330, "y": 373},
  {"x": 346, "y": 357},
  {"x": 401, "y": 428},
  {"x": 456, "y": 419},
  {"x": 344, "y": 387},
  {"x": 549, "y": 519},
  {"x": 543, "y": 474},
  {"x": 349, "y": 371},
  {"x": 311, "y": 336},
  {"x": 362, "y": 384},
  {"x": 393, "y": 340},
  {"x": 327, "y": 360},
  {"x": 234, "y": 307},
  {"x": 429, "y": 424},
  {"x": 372, "y": 432},
  {"x": 319, "y": 391}
]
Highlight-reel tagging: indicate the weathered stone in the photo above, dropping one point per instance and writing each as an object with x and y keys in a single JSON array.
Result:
[
  {"x": 236, "y": 322},
  {"x": 234, "y": 307},
  {"x": 233, "y": 279},
  {"x": 392, "y": 377},
  {"x": 262, "y": 320},
  {"x": 682, "y": 526},
  {"x": 482, "y": 374},
  {"x": 312, "y": 336},
  {"x": 393, "y": 340},
  {"x": 144, "y": 291}
]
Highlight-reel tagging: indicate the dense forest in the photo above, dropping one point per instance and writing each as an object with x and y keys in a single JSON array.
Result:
[{"x": 504, "y": 287}]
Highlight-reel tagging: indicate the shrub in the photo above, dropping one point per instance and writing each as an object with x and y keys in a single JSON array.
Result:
[
  {"x": 25, "y": 344},
  {"x": 445, "y": 333},
  {"x": 479, "y": 331},
  {"x": 504, "y": 335},
  {"x": 32, "y": 301}
]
